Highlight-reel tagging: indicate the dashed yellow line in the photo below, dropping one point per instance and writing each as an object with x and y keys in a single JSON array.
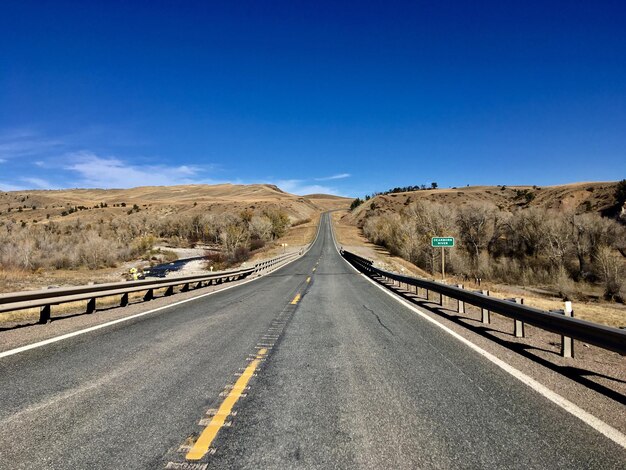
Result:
[
  {"x": 201, "y": 447},
  {"x": 314, "y": 269},
  {"x": 296, "y": 299},
  {"x": 308, "y": 279}
]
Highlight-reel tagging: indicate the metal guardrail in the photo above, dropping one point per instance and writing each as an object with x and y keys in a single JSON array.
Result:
[
  {"x": 606, "y": 337},
  {"x": 44, "y": 299}
]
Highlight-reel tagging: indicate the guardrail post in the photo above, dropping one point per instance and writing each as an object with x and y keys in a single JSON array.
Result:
[
  {"x": 149, "y": 295},
  {"x": 185, "y": 288},
  {"x": 124, "y": 300},
  {"x": 460, "y": 304},
  {"x": 91, "y": 305},
  {"x": 441, "y": 297},
  {"x": 484, "y": 313},
  {"x": 567, "y": 343},
  {"x": 169, "y": 291},
  {"x": 199, "y": 285},
  {"x": 518, "y": 330},
  {"x": 44, "y": 314}
]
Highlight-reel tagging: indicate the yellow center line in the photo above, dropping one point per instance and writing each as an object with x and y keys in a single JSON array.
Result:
[
  {"x": 314, "y": 269},
  {"x": 308, "y": 279},
  {"x": 296, "y": 299},
  {"x": 201, "y": 447}
]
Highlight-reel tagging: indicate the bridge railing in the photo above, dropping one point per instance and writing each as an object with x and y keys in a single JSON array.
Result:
[
  {"x": 44, "y": 299},
  {"x": 606, "y": 337}
]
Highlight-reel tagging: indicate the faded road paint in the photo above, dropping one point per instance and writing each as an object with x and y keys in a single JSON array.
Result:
[{"x": 201, "y": 447}]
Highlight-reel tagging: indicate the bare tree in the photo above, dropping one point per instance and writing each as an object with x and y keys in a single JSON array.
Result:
[
  {"x": 476, "y": 225},
  {"x": 261, "y": 228},
  {"x": 612, "y": 271}
]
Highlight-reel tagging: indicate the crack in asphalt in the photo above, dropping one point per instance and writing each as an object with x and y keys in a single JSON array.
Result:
[{"x": 378, "y": 318}]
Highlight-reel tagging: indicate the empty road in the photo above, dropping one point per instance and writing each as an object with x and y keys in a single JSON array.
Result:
[{"x": 311, "y": 366}]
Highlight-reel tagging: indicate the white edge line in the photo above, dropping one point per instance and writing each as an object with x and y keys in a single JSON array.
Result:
[
  {"x": 55, "y": 339},
  {"x": 596, "y": 423}
]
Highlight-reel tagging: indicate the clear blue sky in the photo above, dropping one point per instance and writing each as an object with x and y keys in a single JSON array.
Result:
[{"x": 347, "y": 98}]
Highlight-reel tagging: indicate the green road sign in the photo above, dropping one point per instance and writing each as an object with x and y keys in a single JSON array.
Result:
[{"x": 442, "y": 241}]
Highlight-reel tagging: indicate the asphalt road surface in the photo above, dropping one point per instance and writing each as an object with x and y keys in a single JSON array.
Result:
[{"x": 311, "y": 366}]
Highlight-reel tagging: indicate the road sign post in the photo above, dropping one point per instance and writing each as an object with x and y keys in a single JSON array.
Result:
[
  {"x": 443, "y": 242},
  {"x": 443, "y": 264}
]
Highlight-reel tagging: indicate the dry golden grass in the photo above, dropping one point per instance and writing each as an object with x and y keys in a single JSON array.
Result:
[
  {"x": 296, "y": 237},
  {"x": 14, "y": 280},
  {"x": 159, "y": 201},
  {"x": 352, "y": 239},
  {"x": 328, "y": 202},
  {"x": 610, "y": 314}
]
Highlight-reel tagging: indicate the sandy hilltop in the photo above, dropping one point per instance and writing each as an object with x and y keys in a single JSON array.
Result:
[
  {"x": 577, "y": 197},
  {"x": 40, "y": 206}
]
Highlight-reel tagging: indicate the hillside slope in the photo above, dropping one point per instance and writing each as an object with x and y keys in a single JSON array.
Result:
[
  {"x": 45, "y": 205},
  {"x": 579, "y": 197}
]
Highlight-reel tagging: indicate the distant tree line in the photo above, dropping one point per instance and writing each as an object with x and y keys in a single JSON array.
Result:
[{"x": 399, "y": 189}]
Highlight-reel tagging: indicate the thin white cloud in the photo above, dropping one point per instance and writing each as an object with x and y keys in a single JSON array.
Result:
[
  {"x": 19, "y": 144},
  {"x": 2, "y": 160},
  {"x": 110, "y": 172},
  {"x": 301, "y": 187},
  {"x": 10, "y": 187},
  {"x": 38, "y": 183},
  {"x": 334, "y": 177}
]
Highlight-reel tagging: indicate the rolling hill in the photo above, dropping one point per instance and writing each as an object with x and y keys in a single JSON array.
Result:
[
  {"x": 577, "y": 197},
  {"x": 67, "y": 204}
]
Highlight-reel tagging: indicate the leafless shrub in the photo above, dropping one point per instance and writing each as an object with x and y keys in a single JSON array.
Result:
[
  {"x": 215, "y": 260},
  {"x": 530, "y": 246},
  {"x": 256, "y": 244},
  {"x": 611, "y": 272},
  {"x": 564, "y": 284},
  {"x": 260, "y": 228},
  {"x": 300, "y": 222}
]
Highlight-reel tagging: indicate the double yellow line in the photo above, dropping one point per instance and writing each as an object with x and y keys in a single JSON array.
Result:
[
  {"x": 208, "y": 435},
  {"x": 201, "y": 447}
]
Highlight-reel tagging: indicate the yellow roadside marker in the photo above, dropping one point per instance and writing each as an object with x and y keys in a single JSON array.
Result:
[
  {"x": 295, "y": 300},
  {"x": 201, "y": 447},
  {"x": 308, "y": 279}
]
